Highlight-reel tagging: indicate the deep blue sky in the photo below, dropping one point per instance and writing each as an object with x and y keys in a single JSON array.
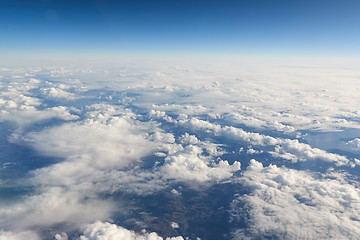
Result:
[{"x": 177, "y": 26}]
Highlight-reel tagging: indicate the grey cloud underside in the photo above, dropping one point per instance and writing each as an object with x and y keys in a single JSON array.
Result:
[{"x": 114, "y": 134}]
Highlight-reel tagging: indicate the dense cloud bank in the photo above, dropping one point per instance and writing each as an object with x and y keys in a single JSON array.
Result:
[{"x": 112, "y": 136}]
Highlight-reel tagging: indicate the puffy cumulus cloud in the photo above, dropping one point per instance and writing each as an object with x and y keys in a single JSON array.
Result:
[
  {"x": 174, "y": 225},
  {"x": 107, "y": 231},
  {"x": 61, "y": 236},
  {"x": 291, "y": 204},
  {"x": 114, "y": 144},
  {"x": 181, "y": 109},
  {"x": 260, "y": 120},
  {"x": 93, "y": 148},
  {"x": 290, "y": 149},
  {"x": 251, "y": 151},
  {"x": 56, "y": 93},
  {"x": 189, "y": 139},
  {"x": 295, "y": 151},
  {"x": 354, "y": 144},
  {"x": 189, "y": 165},
  {"x": 16, "y": 94},
  {"x": 193, "y": 164},
  {"x": 210, "y": 148},
  {"x": 239, "y": 134},
  {"x": 356, "y": 162},
  {"x": 29, "y": 235},
  {"x": 102, "y": 112},
  {"x": 19, "y": 104},
  {"x": 193, "y": 161}
]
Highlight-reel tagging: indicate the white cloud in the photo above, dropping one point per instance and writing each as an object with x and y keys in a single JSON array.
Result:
[
  {"x": 88, "y": 150},
  {"x": 260, "y": 120},
  {"x": 175, "y": 192},
  {"x": 101, "y": 145},
  {"x": 295, "y": 204},
  {"x": 55, "y": 205},
  {"x": 193, "y": 165},
  {"x": 104, "y": 151},
  {"x": 30, "y": 115},
  {"x": 277, "y": 98},
  {"x": 61, "y": 236},
  {"x": 295, "y": 151},
  {"x": 108, "y": 231},
  {"x": 189, "y": 139},
  {"x": 18, "y": 104},
  {"x": 180, "y": 108},
  {"x": 253, "y": 151},
  {"x": 189, "y": 165},
  {"x": 92, "y": 148},
  {"x": 174, "y": 225},
  {"x": 354, "y": 144},
  {"x": 290, "y": 149},
  {"x": 102, "y": 154},
  {"x": 54, "y": 92}
]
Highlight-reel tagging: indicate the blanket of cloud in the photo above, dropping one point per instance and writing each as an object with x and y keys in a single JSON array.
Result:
[{"x": 126, "y": 151}]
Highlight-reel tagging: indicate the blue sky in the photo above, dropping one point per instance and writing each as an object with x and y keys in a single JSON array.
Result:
[{"x": 317, "y": 27}]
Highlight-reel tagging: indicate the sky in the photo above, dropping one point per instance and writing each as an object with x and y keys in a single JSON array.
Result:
[
  {"x": 227, "y": 149},
  {"x": 276, "y": 27}
]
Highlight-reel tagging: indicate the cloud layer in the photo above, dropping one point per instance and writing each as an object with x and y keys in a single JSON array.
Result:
[
  {"x": 291, "y": 204},
  {"x": 116, "y": 136}
]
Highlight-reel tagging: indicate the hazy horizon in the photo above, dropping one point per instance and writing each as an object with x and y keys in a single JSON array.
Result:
[{"x": 179, "y": 119}]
